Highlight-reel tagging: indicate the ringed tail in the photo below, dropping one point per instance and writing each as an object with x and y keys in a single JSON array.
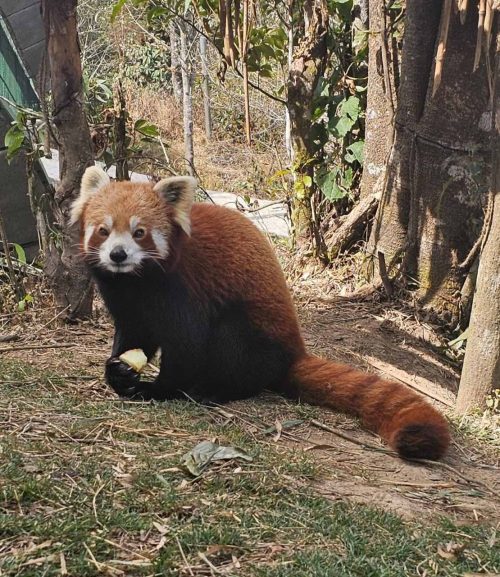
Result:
[{"x": 409, "y": 424}]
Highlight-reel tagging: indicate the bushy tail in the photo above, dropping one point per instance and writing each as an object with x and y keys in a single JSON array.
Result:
[{"x": 404, "y": 419}]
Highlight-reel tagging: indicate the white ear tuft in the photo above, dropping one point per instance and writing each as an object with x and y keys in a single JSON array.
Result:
[
  {"x": 94, "y": 178},
  {"x": 179, "y": 191}
]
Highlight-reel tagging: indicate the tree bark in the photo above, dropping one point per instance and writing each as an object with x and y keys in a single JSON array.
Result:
[
  {"x": 247, "y": 23},
  {"x": 390, "y": 226},
  {"x": 308, "y": 64},
  {"x": 69, "y": 278},
  {"x": 381, "y": 101},
  {"x": 433, "y": 190},
  {"x": 205, "y": 85},
  {"x": 288, "y": 126},
  {"x": 120, "y": 133},
  {"x": 451, "y": 172},
  {"x": 187, "y": 97},
  {"x": 481, "y": 370},
  {"x": 175, "y": 62}
]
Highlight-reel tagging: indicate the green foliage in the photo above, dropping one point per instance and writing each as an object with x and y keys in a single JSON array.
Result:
[
  {"x": 14, "y": 140},
  {"x": 20, "y": 253},
  {"x": 25, "y": 133},
  {"x": 148, "y": 64}
]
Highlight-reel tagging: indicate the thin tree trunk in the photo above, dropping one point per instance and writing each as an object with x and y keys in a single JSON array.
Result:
[
  {"x": 379, "y": 133},
  {"x": 187, "y": 98},
  {"x": 308, "y": 64},
  {"x": 205, "y": 85},
  {"x": 120, "y": 133},
  {"x": 175, "y": 61},
  {"x": 246, "y": 93},
  {"x": 288, "y": 126},
  {"x": 70, "y": 280},
  {"x": 481, "y": 370}
]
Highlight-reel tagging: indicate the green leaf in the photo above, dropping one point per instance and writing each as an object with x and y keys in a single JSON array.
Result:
[
  {"x": 14, "y": 138},
  {"x": 355, "y": 152},
  {"x": 147, "y": 128},
  {"x": 351, "y": 107},
  {"x": 307, "y": 180},
  {"x": 347, "y": 178},
  {"x": 339, "y": 127},
  {"x": 21, "y": 255},
  {"x": 117, "y": 8},
  {"x": 327, "y": 182},
  {"x": 206, "y": 452}
]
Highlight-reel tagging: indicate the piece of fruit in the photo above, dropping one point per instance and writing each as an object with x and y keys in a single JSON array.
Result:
[{"x": 134, "y": 358}]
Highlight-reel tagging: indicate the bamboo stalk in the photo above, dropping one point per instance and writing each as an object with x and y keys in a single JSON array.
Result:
[
  {"x": 488, "y": 26},
  {"x": 480, "y": 33},
  {"x": 443, "y": 38},
  {"x": 462, "y": 10}
]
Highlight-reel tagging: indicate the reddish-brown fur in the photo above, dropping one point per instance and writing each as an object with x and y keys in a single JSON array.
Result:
[
  {"x": 385, "y": 407},
  {"x": 227, "y": 259}
]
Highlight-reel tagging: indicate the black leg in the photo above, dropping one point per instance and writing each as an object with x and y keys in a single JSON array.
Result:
[{"x": 121, "y": 377}]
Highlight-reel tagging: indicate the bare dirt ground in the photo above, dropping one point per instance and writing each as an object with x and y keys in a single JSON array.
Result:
[{"x": 355, "y": 464}]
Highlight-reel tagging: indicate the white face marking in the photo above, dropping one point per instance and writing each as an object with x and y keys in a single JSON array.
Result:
[
  {"x": 89, "y": 231},
  {"x": 124, "y": 240},
  {"x": 134, "y": 221},
  {"x": 108, "y": 221},
  {"x": 160, "y": 242}
]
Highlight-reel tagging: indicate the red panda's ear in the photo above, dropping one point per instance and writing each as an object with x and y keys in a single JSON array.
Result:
[
  {"x": 94, "y": 178},
  {"x": 179, "y": 191}
]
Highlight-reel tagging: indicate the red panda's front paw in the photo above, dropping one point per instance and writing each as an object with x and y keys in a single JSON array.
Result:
[{"x": 122, "y": 378}]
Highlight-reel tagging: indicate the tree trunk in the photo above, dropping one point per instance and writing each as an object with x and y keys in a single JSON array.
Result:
[
  {"x": 451, "y": 172},
  {"x": 205, "y": 85},
  {"x": 308, "y": 64},
  {"x": 432, "y": 195},
  {"x": 481, "y": 370},
  {"x": 70, "y": 280},
  {"x": 187, "y": 97},
  {"x": 390, "y": 225},
  {"x": 379, "y": 132},
  {"x": 288, "y": 126},
  {"x": 247, "y": 19},
  {"x": 175, "y": 61},
  {"x": 120, "y": 133}
]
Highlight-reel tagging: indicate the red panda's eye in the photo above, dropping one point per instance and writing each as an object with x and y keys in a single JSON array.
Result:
[
  {"x": 104, "y": 232},
  {"x": 139, "y": 233}
]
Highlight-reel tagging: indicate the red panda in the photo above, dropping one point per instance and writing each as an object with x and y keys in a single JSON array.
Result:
[{"x": 202, "y": 283}]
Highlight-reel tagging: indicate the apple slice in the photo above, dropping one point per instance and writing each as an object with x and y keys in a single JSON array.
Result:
[{"x": 134, "y": 358}]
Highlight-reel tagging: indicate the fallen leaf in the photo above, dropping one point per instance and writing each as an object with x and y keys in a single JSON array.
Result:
[{"x": 206, "y": 452}]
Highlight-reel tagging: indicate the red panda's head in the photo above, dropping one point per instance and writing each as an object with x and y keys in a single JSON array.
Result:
[{"x": 125, "y": 224}]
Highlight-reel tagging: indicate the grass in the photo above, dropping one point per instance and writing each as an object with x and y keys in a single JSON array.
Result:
[{"x": 92, "y": 486}]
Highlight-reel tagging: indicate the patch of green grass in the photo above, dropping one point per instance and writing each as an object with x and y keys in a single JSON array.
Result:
[{"x": 98, "y": 487}]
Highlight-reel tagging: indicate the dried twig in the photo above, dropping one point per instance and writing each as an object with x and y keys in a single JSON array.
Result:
[
  {"x": 188, "y": 566},
  {"x": 34, "y": 347},
  {"x": 351, "y": 439}
]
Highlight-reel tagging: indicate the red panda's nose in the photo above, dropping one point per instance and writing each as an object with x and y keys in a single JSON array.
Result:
[{"x": 118, "y": 254}]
